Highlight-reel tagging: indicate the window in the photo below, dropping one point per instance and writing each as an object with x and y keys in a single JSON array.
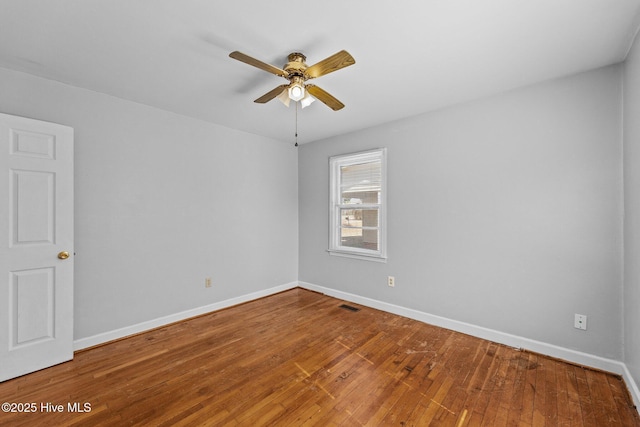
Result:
[{"x": 358, "y": 204}]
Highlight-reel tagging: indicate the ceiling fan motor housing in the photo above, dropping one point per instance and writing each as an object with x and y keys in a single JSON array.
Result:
[{"x": 296, "y": 65}]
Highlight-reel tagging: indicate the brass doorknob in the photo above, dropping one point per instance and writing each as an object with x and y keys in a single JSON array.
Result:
[{"x": 63, "y": 255}]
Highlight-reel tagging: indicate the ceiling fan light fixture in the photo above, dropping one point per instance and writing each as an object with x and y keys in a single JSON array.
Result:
[
  {"x": 284, "y": 97},
  {"x": 296, "y": 91},
  {"x": 307, "y": 100}
]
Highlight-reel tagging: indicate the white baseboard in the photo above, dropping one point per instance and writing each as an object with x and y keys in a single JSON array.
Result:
[
  {"x": 573, "y": 356},
  {"x": 104, "y": 337}
]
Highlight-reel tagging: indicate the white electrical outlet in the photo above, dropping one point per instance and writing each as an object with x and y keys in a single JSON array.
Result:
[
  {"x": 580, "y": 322},
  {"x": 391, "y": 281}
]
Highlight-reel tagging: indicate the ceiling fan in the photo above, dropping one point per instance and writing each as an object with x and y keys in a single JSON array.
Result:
[{"x": 297, "y": 72}]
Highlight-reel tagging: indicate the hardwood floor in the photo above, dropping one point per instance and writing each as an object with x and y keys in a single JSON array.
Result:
[{"x": 298, "y": 359}]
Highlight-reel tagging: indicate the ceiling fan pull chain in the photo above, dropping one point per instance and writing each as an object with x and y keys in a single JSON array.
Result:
[{"x": 296, "y": 124}]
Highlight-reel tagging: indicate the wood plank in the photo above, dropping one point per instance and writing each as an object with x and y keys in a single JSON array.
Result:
[
  {"x": 539, "y": 396},
  {"x": 296, "y": 358},
  {"x": 512, "y": 405},
  {"x": 551, "y": 393},
  {"x": 605, "y": 412},
  {"x": 496, "y": 389},
  {"x": 528, "y": 391},
  {"x": 483, "y": 384},
  {"x": 587, "y": 406},
  {"x": 461, "y": 368},
  {"x": 623, "y": 401}
]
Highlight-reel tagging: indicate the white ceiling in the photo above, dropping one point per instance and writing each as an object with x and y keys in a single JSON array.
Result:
[{"x": 412, "y": 56}]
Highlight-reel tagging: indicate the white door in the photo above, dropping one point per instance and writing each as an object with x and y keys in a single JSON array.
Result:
[{"x": 36, "y": 245}]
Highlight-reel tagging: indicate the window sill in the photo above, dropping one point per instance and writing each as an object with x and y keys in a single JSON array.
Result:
[{"x": 374, "y": 258}]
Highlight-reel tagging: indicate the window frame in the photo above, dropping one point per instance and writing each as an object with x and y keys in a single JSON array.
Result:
[{"x": 335, "y": 205}]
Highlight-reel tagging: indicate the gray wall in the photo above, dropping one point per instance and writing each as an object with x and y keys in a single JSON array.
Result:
[
  {"x": 632, "y": 211},
  {"x": 163, "y": 201},
  {"x": 504, "y": 213}
]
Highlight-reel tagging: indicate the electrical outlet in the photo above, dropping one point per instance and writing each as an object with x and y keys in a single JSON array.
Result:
[
  {"x": 207, "y": 282},
  {"x": 391, "y": 281},
  {"x": 580, "y": 322}
]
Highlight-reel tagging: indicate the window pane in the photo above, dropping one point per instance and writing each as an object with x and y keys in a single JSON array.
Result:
[
  {"x": 359, "y": 238},
  {"x": 359, "y": 228},
  {"x": 359, "y": 217},
  {"x": 361, "y": 183}
]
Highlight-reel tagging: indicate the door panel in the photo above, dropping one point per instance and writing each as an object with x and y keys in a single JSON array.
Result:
[
  {"x": 33, "y": 207},
  {"x": 36, "y": 224},
  {"x": 31, "y": 306}
]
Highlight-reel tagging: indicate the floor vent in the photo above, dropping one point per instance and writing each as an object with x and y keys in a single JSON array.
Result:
[{"x": 348, "y": 307}]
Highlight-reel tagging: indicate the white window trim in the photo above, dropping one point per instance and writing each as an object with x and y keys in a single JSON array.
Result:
[{"x": 335, "y": 247}]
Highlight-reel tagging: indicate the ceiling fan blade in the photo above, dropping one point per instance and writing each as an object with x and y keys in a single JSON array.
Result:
[
  {"x": 325, "y": 97},
  {"x": 271, "y": 94},
  {"x": 258, "y": 64},
  {"x": 333, "y": 63}
]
